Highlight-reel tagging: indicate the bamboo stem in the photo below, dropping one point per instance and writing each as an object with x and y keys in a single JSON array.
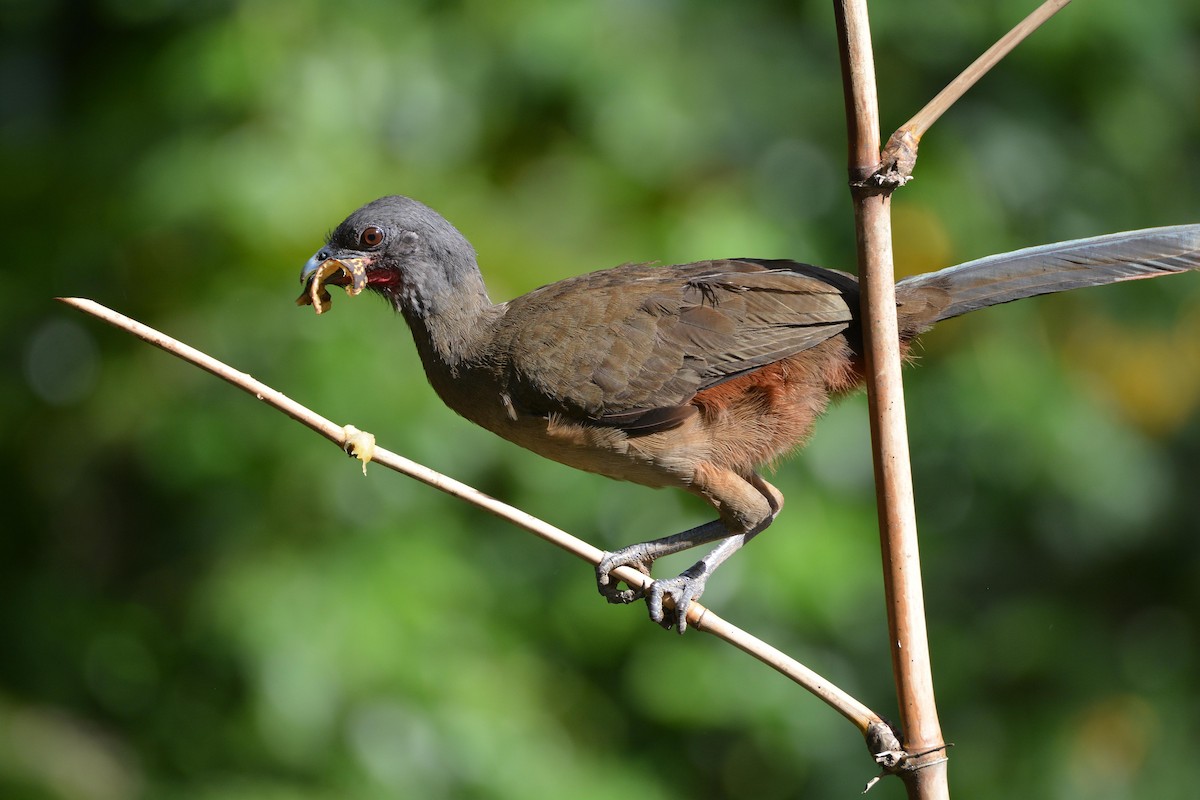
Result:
[{"x": 924, "y": 777}]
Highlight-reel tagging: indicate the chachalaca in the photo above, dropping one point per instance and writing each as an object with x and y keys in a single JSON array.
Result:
[{"x": 693, "y": 375}]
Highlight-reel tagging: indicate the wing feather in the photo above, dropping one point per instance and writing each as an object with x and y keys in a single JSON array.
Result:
[{"x": 631, "y": 346}]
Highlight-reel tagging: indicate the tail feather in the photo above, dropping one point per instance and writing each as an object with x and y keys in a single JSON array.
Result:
[{"x": 935, "y": 296}]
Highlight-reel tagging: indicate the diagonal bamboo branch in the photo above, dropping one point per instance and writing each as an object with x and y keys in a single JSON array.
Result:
[
  {"x": 869, "y": 723},
  {"x": 900, "y": 155}
]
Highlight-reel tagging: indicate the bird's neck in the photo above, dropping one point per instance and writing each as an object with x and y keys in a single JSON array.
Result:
[{"x": 452, "y": 327}]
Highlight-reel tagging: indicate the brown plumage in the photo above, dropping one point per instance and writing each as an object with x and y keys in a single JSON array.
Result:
[{"x": 693, "y": 375}]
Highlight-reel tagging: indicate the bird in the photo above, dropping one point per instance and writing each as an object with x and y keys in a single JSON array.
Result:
[{"x": 694, "y": 376}]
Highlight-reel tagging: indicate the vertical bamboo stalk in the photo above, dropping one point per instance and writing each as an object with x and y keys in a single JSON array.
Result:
[{"x": 924, "y": 775}]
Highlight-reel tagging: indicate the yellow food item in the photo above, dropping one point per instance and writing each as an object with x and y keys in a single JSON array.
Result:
[
  {"x": 357, "y": 270},
  {"x": 316, "y": 295},
  {"x": 359, "y": 444}
]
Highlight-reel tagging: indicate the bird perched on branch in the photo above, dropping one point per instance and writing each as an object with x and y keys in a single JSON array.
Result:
[{"x": 691, "y": 376}]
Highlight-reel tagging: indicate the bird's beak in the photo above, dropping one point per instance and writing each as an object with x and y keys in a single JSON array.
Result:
[{"x": 350, "y": 273}]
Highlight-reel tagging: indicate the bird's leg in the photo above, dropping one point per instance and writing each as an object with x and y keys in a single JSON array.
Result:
[
  {"x": 642, "y": 556},
  {"x": 689, "y": 584},
  {"x": 746, "y": 504}
]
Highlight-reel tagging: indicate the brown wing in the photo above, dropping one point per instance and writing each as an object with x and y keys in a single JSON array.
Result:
[{"x": 629, "y": 347}]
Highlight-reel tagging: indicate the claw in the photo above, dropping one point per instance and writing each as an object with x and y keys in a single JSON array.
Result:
[
  {"x": 609, "y": 587},
  {"x": 682, "y": 590}
]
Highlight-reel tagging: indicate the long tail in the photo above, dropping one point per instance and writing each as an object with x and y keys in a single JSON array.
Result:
[{"x": 935, "y": 296}]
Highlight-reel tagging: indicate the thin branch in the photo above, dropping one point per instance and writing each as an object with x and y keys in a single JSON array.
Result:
[
  {"x": 923, "y": 777},
  {"x": 701, "y": 618},
  {"x": 900, "y": 155},
  {"x": 924, "y": 119}
]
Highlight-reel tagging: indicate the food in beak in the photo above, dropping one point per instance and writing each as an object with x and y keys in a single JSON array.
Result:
[{"x": 350, "y": 273}]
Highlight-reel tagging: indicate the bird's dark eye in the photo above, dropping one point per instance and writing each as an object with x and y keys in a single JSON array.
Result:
[{"x": 370, "y": 237}]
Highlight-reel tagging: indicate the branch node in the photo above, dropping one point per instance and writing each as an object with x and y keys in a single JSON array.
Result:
[
  {"x": 883, "y": 740},
  {"x": 882, "y": 737},
  {"x": 899, "y": 158},
  {"x": 894, "y": 169}
]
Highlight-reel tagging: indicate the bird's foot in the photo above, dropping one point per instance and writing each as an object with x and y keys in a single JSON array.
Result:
[
  {"x": 682, "y": 590},
  {"x": 637, "y": 556}
]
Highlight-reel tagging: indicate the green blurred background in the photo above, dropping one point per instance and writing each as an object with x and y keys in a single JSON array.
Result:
[{"x": 201, "y": 599}]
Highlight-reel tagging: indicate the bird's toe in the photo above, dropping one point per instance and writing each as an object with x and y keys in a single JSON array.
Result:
[
  {"x": 610, "y": 586},
  {"x": 681, "y": 591}
]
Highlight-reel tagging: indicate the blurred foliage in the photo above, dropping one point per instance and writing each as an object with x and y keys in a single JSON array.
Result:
[{"x": 202, "y": 600}]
